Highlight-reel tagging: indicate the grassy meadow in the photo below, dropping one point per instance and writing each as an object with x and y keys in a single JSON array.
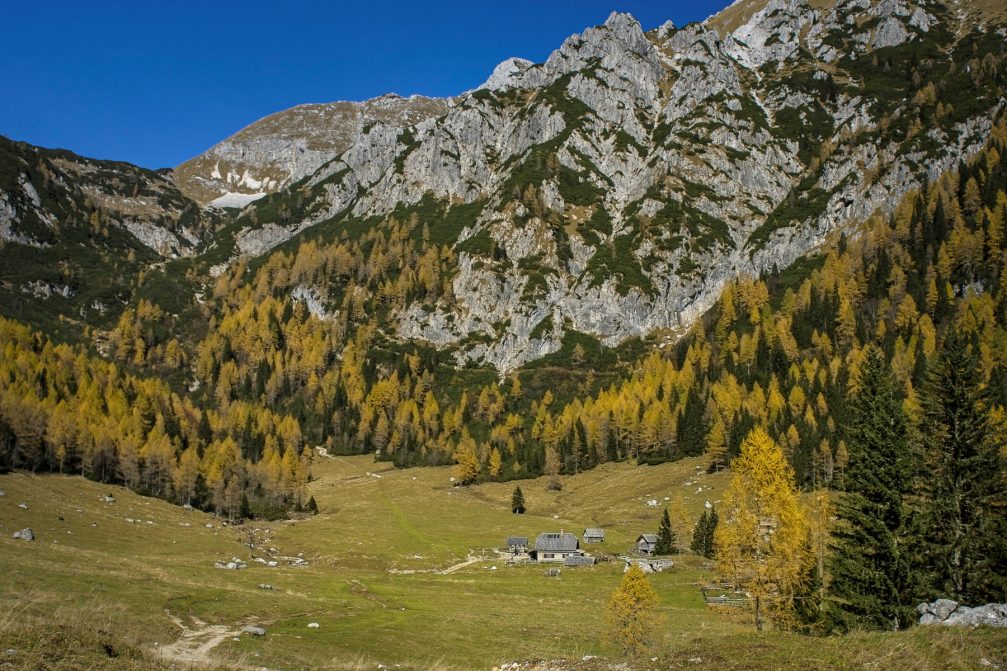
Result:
[{"x": 389, "y": 580}]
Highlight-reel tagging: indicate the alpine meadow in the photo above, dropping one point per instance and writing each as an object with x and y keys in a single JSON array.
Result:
[{"x": 683, "y": 348}]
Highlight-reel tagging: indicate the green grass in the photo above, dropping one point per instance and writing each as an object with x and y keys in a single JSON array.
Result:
[{"x": 374, "y": 584}]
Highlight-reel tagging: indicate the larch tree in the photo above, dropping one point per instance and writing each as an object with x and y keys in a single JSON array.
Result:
[
  {"x": 762, "y": 539},
  {"x": 633, "y": 619},
  {"x": 872, "y": 583}
]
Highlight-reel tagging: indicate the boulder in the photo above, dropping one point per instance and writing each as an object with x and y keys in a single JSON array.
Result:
[
  {"x": 254, "y": 631},
  {"x": 25, "y": 534},
  {"x": 992, "y": 614},
  {"x": 942, "y": 608},
  {"x": 23, "y": 506},
  {"x": 951, "y": 614}
]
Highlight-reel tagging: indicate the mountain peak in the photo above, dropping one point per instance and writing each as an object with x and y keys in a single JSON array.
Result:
[{"x": 505, "y": 74}]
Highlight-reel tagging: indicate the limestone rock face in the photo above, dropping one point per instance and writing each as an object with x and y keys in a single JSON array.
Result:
[
  {"x": 633, "y": 174},
  {"x": 284, "y": 147}
]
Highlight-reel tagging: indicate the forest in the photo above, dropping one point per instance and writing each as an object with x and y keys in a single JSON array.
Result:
[{"x": 231, "y": 408}]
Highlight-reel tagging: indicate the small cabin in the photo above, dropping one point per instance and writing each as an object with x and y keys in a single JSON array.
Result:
[
  {"x": 517, "y": 544},
  {"x": 645, "y": 544},
  {"x": 594, "y": 535},
  {"x": 553, "y": 547}
]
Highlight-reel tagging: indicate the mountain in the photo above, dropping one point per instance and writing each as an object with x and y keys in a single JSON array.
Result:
[
  {"x": 77, "y": 233},
  {"x": 604, "y": 195},
  {"x": 638, "y": 249},
  {"x": 615, "y": 189},
  {"x": 282, "y": 148}
]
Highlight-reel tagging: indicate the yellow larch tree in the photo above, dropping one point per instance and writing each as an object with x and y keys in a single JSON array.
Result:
[
  {"x": 762, "y": 538},
  {"x": 633, "y": 618}
]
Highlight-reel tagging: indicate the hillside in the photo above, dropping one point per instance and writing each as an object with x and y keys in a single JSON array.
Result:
[
  {"x": 79, "y": 237},
  {"x": 374, "y": 581},
  {"x": 326, "y": 340}
]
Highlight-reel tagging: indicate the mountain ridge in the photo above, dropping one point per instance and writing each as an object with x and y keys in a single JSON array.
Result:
[{"x": 615, "y": 188}]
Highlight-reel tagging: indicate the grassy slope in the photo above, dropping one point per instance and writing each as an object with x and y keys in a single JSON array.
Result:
[{"x": 372, "y": 583}]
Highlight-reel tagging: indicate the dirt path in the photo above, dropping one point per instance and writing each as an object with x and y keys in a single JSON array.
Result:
[
  {"x": 468, "y": 562},
  {"x": 196, "y": 643}
]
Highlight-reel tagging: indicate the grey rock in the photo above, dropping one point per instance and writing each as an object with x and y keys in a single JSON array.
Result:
[
  {"x": 254, "y": 631},
  {"x": 23, "y": 506},
  {"x": 507, "y": 74},
  {"x": 942, "y": 608},
  {"x": 25, "y": 534},
  {"x": 720, "y": 156},
  {"x": 949, "y": 613}
]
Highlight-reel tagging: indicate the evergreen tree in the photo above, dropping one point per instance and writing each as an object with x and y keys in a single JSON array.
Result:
[
  {"x": 245, "y": 509},
  {"x": 517, "y": 501},
  {"x": 312, "y": 506},
  {"x": 709, "y": 545},
  {"x": 871, "y": 578},
  {"x": 666, "y": 541},
  {"x": 964, "y": 517},
  {"x": 698, "y": 544}
]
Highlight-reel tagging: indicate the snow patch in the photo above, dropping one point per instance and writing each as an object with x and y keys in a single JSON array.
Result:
[{"x": 231, "y": 199}]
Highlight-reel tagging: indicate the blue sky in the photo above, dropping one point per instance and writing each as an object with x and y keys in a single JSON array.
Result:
[{"x": 156, "y": 83}]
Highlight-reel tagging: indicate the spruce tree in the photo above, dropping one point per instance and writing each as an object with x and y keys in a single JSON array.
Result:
[
  {"x": 709, "y": 546},
  {"x": 517, "y": 501},
  {"x": 872, "y": 584},
  {"x": 698, "y": 544},
  {"x": 312, "y": 506},
  {"x": 964, "y": 503},
  {"x": 245, "y": 508},
  {"x": 666, "y": 541}
]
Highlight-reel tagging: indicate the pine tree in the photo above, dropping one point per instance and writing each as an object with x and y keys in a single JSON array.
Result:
[
  {"x": 964, "y": 518},
  {"x": 312, "y": 506},
  {"x": 632, "y": 612},
  {"x": 517, "y": 501},
  {"x": 871, "y": 579},
  {"x": 666, "y": 542}
]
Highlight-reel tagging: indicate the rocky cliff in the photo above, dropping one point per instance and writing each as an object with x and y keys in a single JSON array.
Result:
[
  {"x": 280, "y": 149},
  {"x": 610, "y": 191},
  {"x": 622, "y": 182}
]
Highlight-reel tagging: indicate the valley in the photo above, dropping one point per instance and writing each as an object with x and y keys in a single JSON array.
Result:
[
  {"x": 739, "y": 285},
  {"x": 375, "y": 582}
]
